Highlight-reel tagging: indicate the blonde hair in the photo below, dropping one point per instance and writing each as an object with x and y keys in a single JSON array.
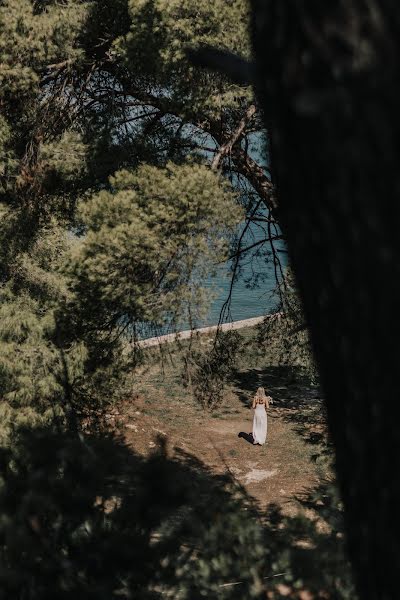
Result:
[{"x": 260, "y": 393}]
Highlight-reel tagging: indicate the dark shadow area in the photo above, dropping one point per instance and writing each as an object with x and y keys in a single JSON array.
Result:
[
  {"x": 286, "y": 385},
  {"x": 85, "y": 517},
  {"x": 246, "y": 436},
  {"x": 310, "y": 546}
]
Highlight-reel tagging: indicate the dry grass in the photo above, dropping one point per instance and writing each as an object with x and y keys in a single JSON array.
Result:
[{"x": 278, "y": 472}]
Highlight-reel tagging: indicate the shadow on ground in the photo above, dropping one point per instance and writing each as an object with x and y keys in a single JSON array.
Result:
[
  {"x": 286, "y": 385},
  {"x": 246, "y": 436},
  {"x": 85, "y": 517}
]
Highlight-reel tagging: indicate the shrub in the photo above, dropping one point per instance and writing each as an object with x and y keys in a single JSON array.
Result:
[{"x": 213, "y": 368}]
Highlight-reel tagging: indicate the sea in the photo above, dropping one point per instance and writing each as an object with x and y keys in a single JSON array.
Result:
[{"x": 254, "y": 291}]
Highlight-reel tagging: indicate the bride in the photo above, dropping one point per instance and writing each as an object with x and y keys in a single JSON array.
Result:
[{"x": 260, "y": 403}]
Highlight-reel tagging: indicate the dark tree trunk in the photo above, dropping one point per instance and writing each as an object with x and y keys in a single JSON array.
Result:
[{"x": 329, "y": 83}]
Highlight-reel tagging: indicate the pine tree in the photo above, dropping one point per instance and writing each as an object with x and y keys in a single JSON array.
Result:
[
  {"x": 95, "y": 241},
  {"x": 123, "y": 173}
]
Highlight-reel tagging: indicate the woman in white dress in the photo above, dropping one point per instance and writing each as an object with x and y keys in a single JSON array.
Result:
[{"x": 260, "y": 404}]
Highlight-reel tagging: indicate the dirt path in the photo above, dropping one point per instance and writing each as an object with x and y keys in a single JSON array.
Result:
[{"x": 276, "y": 472}]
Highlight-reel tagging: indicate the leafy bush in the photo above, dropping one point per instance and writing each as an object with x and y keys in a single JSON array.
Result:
[
  {"x": 285, "y": 335},
  {"x": 213, "y": 368}
]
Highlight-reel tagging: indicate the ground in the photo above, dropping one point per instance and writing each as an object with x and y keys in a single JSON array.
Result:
[
  {"x": 279, "y": 472},
  {"x": 289, "y": 480},
  {"x": 276, "y": 472}
]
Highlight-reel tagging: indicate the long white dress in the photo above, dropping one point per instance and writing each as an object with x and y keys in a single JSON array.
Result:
[{"x": 260, "y": 424}]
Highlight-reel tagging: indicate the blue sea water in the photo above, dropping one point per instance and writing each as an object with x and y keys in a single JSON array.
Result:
[
  {"x": 246, "y": 301},
  {"x": 254, "y": 291}
]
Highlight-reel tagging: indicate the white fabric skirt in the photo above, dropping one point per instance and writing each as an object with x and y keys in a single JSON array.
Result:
[{"x": 260, "y": 425}]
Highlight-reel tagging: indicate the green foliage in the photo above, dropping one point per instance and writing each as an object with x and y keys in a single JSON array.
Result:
[
  {"x": 32, "y": 39},
  {"x": 286, "y": 336},
  {"x": 213, "y": 368},
  {"x": 149, "y": 242},
  {"x": 36, "y": 269},
  {"x": 161, "y": 32},
  {"x": 36, "y": 39},
  {"x": 140, "y": 243},
  {"x": 308, "y": 549},
  {"x": 31, "y": 366}
]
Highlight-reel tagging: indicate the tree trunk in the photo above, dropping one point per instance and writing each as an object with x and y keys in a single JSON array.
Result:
[{"x": 328, "y": 81}]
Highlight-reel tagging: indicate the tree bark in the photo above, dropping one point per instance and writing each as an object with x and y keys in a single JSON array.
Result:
[{"x": 328, "y": 81}]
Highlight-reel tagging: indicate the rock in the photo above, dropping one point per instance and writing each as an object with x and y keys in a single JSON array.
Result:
[
  {"x": 131, "y": 426},
  {"x": 159, "y": 431}
]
